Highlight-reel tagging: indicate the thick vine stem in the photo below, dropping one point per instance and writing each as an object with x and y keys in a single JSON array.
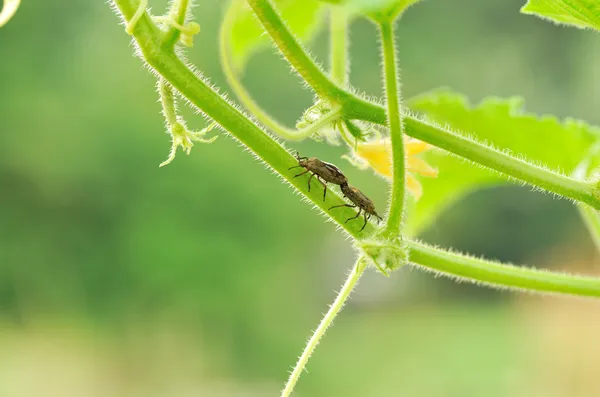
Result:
[
  {"x": 392, "y": 91},
  {"x": 202, "y": 96},
  {"x": 166, "y": 64},
  {"x": 354, "y": 107},
  {"x": 333, "y": 311}
]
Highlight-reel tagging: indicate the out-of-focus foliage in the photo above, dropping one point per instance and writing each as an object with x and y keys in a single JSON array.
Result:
[
  {"x": 578, "y": 13},
  {"x": 503, "y": 124}
]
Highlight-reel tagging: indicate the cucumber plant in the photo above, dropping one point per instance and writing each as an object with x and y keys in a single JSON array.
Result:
[{"x": 432, "y": 148}]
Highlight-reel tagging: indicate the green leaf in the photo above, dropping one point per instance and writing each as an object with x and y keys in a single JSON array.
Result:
[
  {"x": 246, "y": 35},
  {"x": 579, "y": 13},
  {"x": 503, "y": 124},
  {"x": 379, "y": 10}
]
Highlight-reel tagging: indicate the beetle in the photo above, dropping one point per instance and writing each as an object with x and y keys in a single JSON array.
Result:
[
  {"x": 325, "y": 172},
  {"x": 358, "y": 198}
]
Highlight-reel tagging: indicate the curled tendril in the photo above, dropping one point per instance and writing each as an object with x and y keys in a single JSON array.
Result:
[
  {"x": 188, "y": 31},
  {"x": 8, "y": 11},
  {"x": 181, "y": 136},
  {"x": 136, "y": 17}
]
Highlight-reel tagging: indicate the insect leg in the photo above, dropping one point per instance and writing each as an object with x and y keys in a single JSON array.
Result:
[
  {"x": 343, "y": 205},
  {"x": 310, "y": 179},
  {"x": 354, "y": 217},
  {"x": 367, "y": 216},
  {"x": 324, "y": 187},
  {"x": 302, "y": 173},
  {"x": 296, "y": 166}
]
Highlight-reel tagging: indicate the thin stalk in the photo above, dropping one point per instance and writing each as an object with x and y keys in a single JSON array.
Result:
[
  {"x": 293, "y": 50},
  {"x": 392, "y": 93},
  {"x": 333, "y": 311},
  {"x": 338, "y": 42}
]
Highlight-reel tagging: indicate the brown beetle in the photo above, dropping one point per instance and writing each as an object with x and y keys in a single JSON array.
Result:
[
  {"x": 361, "y": 201},
  {"x": 325, "y": 172}
]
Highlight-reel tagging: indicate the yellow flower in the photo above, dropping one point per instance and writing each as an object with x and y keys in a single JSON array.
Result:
[{"x": 378, "y": 154}]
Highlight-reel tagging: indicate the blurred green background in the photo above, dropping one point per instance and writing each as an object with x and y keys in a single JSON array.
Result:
[{"x": 204, "y": 278}]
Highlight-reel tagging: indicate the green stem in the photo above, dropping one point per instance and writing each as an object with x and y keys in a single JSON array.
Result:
[
  {"x": 502, "y": 162},
  {"x": 338, "y": 39},
  {"x": 392, "y": 92},
  {"x": 500, "y": 275},
  {"x": 333, "y": 311},
  {"x": 249, "y": 103},
  {"x": 354, "y": 107},
  {"x": 293, "y": 50},
  {"x": 167, "y": 100}
]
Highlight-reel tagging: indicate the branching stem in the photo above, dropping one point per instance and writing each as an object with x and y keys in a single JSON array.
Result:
[
  {"x": 201, "y": 95},
  {"x": 354, "y": 107}
]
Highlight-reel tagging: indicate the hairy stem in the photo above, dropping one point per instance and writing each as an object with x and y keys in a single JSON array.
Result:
[
  {"x": 500, "y": 275},
  {"x": 502, "y": 162},
  {"x": 293, "y": 50},
  {"x": 167, "y": 100},
  {"x": 392, "y": 93},
  {"x": 338, "y": 42},
  {"x": 333, "y": 311}
]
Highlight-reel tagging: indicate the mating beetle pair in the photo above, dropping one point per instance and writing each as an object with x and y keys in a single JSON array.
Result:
[{"x": 329, "y": 173}]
